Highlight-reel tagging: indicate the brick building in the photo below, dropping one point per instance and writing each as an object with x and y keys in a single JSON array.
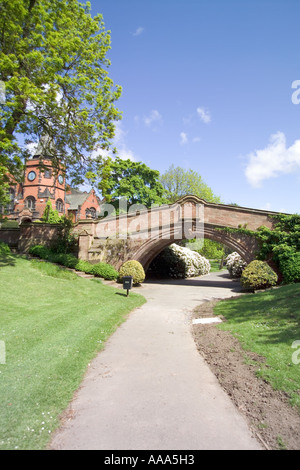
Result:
[{"x": 41, "y": 183}]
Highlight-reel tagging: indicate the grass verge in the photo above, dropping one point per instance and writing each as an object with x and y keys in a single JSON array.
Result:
[
  {"x": 268, "y": 323},
  {"x": 52, "y": 323}
]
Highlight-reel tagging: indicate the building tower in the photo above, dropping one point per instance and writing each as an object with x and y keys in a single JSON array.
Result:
[{"x": 41, "y": 182}]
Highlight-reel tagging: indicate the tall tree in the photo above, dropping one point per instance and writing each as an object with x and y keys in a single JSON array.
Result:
[
  {"x": 53, "y": 66},
  {"x": 134, "y": 181},
  {"x": 179, "y": 182}
]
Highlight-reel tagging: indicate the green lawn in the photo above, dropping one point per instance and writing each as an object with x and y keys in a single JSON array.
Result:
[
  {"x": 268, "y": 323},
  {"x": 215, "y": 266},
  {"x": 52, "y": 323}
]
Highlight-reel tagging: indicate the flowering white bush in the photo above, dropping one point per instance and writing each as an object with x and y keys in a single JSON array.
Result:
[
  {"x": 195, "y": 264},
  {"x": 235, "y": 264},
  {"x": 180, "y": 262}
]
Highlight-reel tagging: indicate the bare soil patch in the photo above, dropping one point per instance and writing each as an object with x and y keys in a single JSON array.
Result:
[{"x": 269, "y": 414}]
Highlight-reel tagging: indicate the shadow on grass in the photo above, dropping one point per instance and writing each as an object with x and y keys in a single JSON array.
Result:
[
  {"x": 7, "y": 260},
  {"x": 275, "y": 314},
  {"x": 122, "y": 294}
]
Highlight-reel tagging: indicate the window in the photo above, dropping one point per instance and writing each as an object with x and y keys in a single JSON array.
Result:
[
  {"x": 59, "y": 205},
  {"x": 91, "y": 211},
  {"x": 30, "y": 203}
]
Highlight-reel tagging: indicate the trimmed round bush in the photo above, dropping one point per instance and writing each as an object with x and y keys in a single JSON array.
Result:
[
  {"x": 258, "y": 275},
  {"x": 235, "y": 265},
  {"x": 132, "y": 268}
]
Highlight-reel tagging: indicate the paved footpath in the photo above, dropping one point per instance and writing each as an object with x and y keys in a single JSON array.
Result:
[{"x": 150, "y": 388}]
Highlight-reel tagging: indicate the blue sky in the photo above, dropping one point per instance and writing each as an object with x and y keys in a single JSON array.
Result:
[{"x": 207, "y": 85}]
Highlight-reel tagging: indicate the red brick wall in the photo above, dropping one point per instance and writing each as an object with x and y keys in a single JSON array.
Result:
[{"x": 41, "y": 187}]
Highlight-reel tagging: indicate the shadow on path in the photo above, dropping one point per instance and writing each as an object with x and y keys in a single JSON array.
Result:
[{"x": 219, "y": 280}]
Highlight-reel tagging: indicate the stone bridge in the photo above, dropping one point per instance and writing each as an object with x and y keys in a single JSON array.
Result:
[{"x": 141, "y": 233}]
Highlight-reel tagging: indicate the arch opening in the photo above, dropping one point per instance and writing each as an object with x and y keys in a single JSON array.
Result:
[{"x": 245, "y": 246}]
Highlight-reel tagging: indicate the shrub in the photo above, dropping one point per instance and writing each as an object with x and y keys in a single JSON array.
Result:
[
  {"x": 133, "y": 268},
  {"x": 258, "y": 275},
  {"x": 39, "y": 250},
  {"x": 179, "y": 262},
  {"x": 84, "y": 266},
  {"x": 4, "y": 249},
  {"x": 235, "y": 264},
  {"x": 66, "y": 259},
  {"x": 103, "y": 270},
  {"x": 106, "y": 271},
  {"x": 290, "y": 268}
]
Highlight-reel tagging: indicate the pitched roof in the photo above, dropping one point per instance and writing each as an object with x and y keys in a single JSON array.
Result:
[{"x": 76, "y": 198}]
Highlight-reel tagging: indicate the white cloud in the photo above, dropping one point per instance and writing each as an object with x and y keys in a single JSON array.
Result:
[
  {"x": 119, "y": 142},
  {"x": 139, "y": 31},
  {"x": 183, "y": 138},
  {"x": 273, "y": 160},
  {"x": 154, "y": 117},
  {"x": 204, "y": 115}
]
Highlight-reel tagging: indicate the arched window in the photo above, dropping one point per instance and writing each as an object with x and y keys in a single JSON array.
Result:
[
  {"x": 59, "y": 205},
  {"x": 30, "y": 203},
  {"x": 91, "y": 211}
]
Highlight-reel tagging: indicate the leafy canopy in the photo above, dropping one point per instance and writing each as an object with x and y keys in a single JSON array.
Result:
[
  {"x": 54, "y": 68},
  {"x": 134, "y": 181},
  {"x": 179, "y": 182}
]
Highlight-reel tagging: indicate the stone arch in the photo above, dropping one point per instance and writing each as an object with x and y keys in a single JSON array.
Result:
[
  {"x": 25, "y": 220},
  {"x": 245, "y": 245}
]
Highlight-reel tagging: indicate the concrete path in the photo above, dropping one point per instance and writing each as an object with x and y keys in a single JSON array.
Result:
[{"x": 150, "y": 388}]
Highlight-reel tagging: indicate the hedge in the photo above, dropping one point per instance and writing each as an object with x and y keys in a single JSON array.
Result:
[{"x": 103, "y": 270}]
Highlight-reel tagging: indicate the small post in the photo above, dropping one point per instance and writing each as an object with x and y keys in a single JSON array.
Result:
[{"x": 127, "y": 283}]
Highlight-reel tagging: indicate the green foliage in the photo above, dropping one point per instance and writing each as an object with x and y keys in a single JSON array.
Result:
[
  {"x": 84, "y": 266},
  {"x": 54, "y": 67},
  {"x": 212, "y": 249},
  {"x": 281, "y": 244},
  {"x": 132, "y": 268},
  {"x": 106, "y": 271},
  {"x": 178, "y": 182},
  {"x": 258, "y": 275},
  {"x": 4, "y": 249},
  {"x": 50, "y": 215},
  {"x": 289, "y": 262},
  {"x": 134, "y": 181},
  {"x": 66, "y": 241}
]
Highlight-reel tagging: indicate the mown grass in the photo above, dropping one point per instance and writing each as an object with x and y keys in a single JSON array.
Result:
[
  {"x": 52, "y": 324},
  {"x": 268, "y": 323},
  {"x": 215, "y": 266}
]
